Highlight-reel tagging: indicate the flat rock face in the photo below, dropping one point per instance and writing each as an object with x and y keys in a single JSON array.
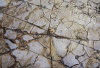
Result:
[
  {"x": 49, "y": 33},
  {"x": 70, "y": 60},
  {"x": 97, "y": 45},
  {"x": 4, "y": 3}
]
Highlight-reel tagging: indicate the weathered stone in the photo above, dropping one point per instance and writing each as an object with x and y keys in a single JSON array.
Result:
[
  {"x": 7, "y": 61},
  {"x": 93, "y": 35},
  {"x": 4, "y": 3},
  {"x": 35, "y": 47},
  {"x": 70, "y": 60},
  {"x": 42, "y": 62},
  {"x": 11, "y": 34},
  {"x": 97, "y": 45},
  {"x": 27, "y": 37},
  {"x": 49, "y": 33},
  {"x": 11, "y": 45},
  {"x": 61, "y": 46}
]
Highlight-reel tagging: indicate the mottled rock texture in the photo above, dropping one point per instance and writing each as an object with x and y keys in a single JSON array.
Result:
[{"x": 49, "y": 33}]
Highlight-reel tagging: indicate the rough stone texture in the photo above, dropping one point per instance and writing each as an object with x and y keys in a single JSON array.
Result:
[{"x": 49, "y": 33}]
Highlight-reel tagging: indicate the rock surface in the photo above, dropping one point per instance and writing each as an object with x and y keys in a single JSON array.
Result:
[{"x": 49, "y": 33}]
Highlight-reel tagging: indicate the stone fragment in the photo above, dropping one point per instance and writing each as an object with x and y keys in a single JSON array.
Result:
[
  {"x": 79, "y": 50},
  {"x": 35, "y": 47},
  {"x": 10, "y": 34},
  {"x": 1, "y": 15},
  {"x": 63, "y": 31},
  {"x": 89, "y": 51},
  {"x": 61, "y": 46},
  {"x": 70, "y": 60},
  {"x": 4, "y": 3},
  {"x": 7, "y": 61},
  {"x": 28, "y": 27},
  {"x": 24, "y": 57},
  {"x": 15, "y": 24},
  {"x": 54, "y": 53},
  {"x": 11, "y": 45},
  {"x": 42, "y": 62},
  {"x": 35, "y": 16},
  {"x": 97, "y": 45},
  {"x": 93, "y": 35},
  {"x": 27, "y": 37},
  {"x": 72, "y": 47}
]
